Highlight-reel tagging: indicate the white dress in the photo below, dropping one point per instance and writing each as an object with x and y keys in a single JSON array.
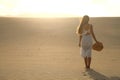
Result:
[{"x": 86, "y": 43}]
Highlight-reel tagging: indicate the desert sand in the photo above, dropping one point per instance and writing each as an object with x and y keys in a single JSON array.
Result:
[{"x": 47, "y": 49}]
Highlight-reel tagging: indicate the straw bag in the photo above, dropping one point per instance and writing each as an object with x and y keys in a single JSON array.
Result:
[{"x": 97, "y": 46}]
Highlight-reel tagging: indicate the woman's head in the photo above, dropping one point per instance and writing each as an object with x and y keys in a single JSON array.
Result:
[{"x": 84, "y": 21}]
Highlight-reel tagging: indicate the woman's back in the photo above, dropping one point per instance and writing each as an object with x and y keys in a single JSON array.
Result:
[{"x": 86, "y": 29}]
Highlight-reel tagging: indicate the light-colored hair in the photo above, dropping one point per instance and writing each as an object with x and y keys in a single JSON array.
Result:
[{"x": 84, "y": 21}]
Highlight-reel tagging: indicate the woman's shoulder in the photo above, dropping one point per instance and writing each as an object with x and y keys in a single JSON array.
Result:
[{"x": 90, "y": 25}]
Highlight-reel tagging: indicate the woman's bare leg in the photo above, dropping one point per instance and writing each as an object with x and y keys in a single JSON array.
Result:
[
  {"x": 88, "y": 62},
  {"x": 85, "y": 60}
]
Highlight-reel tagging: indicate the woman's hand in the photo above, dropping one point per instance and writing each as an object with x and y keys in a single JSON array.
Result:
[
  {"x": 79, "y": 44},
  {"x": 97, "y": 41}
]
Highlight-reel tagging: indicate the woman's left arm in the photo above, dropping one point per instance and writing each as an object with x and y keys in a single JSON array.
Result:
[{"x": 80, "y": 37}]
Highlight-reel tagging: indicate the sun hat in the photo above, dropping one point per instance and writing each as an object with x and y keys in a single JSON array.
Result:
[{"x": 98, "y": 46}]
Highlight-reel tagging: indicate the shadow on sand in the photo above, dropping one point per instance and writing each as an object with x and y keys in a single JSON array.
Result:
[{"x": 98, "y": 76}]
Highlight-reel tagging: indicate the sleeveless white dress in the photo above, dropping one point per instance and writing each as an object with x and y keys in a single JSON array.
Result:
[{"x": 86, "y": 43}]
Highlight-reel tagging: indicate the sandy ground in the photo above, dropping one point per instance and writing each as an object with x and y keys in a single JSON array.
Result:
[{"x": 52, "y": 54}]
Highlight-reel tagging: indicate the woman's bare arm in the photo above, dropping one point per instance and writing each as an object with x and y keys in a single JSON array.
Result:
[
  {"x": 93, "y": 34},
  {"x": 80, "y": 37}
]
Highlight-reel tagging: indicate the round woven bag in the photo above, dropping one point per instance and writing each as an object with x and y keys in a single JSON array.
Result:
[{"x": 97, "y": 46}]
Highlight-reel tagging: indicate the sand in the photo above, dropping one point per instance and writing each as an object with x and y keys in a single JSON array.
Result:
[{"x": 31, "y": 52}]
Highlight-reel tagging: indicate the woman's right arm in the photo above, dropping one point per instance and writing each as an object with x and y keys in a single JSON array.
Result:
[{"x": 93, "y": 34}]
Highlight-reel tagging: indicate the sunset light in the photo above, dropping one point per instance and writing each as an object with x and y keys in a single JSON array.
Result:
[{"x": 58, "y": 8}]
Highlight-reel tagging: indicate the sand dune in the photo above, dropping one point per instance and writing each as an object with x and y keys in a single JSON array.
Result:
[{"x": 47, "y": 49}]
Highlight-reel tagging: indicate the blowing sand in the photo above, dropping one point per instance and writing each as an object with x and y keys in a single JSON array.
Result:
[{"x": 50, "y": 52}]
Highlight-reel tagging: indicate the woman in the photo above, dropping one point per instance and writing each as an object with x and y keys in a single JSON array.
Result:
[{"x": 85, "y": 31}]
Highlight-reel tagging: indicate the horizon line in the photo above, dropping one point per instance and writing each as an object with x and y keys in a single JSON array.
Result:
[{"x": 58, "y": 17}]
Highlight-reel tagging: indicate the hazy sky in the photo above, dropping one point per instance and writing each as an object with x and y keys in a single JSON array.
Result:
[{"x": 59, "y": 8}]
